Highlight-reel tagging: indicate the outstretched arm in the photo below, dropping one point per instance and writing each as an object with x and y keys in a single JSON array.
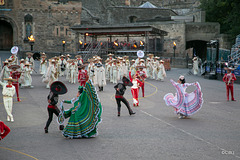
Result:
[{"x": 68, "y": 102}]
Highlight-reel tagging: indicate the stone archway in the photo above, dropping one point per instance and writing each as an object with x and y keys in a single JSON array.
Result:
[
  {"x": 200, "y": 48},
  {"x": 6, "y": 35}
]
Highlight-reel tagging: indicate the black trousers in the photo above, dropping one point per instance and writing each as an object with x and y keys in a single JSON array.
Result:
[
  {"x": 50, "y": 116},
  {"x": 119, "y": 100}
]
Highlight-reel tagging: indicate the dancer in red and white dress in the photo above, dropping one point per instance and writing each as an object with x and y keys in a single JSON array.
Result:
[{"x": 135, "y": 88}]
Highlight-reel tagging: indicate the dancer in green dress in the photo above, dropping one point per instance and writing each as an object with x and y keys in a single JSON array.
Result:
[{"x": 85, "y": 115}]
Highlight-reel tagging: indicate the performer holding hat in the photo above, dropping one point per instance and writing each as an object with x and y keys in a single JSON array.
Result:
[
  {"x": 56, "y": 89},
  {"x": 229, "y": 79},
  {"x": 8, "y": 93},
  {"x": 120, "y": 90}
]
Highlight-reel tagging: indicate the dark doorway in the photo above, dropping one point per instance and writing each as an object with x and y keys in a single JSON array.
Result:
[
  {"x": 199, "y": 48},
  {"x": 6, "y": 35}
]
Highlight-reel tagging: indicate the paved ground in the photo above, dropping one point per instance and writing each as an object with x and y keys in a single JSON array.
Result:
[{"x": 154, "y": 132}]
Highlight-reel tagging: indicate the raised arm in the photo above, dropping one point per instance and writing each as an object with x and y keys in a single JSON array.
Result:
[{"x": 130, "y": 76}]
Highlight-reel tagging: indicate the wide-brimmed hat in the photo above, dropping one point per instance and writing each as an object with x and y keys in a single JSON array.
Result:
[
  {"x": 6, "y": 61},
  {"x": 161, "y": 61},
  {"x": 194, "y": 58},
  {"x": 99, "y": 58},
  {"x": 90, "y": 60},
  {"x": 110, "y": 54},
  {"x": 114, "y": 60},
  {"x": 58, "y": 87},
  {"x": 43, "y": 54},
  {"x": 27, "y": 64},
  {"x": 9, "y": 79},
  {"x": 229, "y": 68},
  {"x": 70, "y": 60},
  {"x": 62, "y": 56},
  {"x": 68, "y": 55},
  {"x": 14, "y": 66},
  {"x": 22, "y": 60},
  {"x": 126, "y": 81},
  {"x": 56, "y": 58},
  {"x": 78, "y": 56},
  {"x": 29, "y": 53},
  {"x": 142, "y": 60},
  {"x": 82, "y": 66},
  {"x": 149, "y": 55},
  {"x": 156, "y": 57},
  {"x": 140, "y": 67},
  {"x": 133, "y": 60}
]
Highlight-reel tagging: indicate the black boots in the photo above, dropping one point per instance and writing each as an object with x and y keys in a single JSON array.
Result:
[
  {"x": 100, "y": 89},
  {"x": 131, "y": 113},
  {"x": 118, "y": 114}
]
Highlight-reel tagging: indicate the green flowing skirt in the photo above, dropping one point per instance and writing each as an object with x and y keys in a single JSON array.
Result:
[{"x": 85, "y": 115}]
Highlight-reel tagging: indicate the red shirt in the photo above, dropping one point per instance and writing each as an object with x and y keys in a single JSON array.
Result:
[
  {"x": 15, "y": 75},
  {"x": 4, "y": 130},
  {"x": 82, "y": 75},
  {"x": 227, "y": 79},
  {"x": 141, "y": 75}
]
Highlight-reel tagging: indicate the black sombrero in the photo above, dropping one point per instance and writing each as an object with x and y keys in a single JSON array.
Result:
[
  {"x": 58, "y": 87},
  {"x": 127, "y": 82}
]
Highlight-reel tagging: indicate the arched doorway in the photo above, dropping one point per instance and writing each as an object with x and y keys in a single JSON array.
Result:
[
  {"x": 6, "y": 35},
  {"x": 200, "y": 48}
]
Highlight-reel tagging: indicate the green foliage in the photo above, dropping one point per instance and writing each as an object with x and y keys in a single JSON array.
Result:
[{"x": 226, "y": 12}]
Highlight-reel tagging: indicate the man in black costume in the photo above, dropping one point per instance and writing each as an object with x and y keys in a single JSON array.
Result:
[
  {"x": 120, "y": 90},
  {"x": 57, "y": 88}
]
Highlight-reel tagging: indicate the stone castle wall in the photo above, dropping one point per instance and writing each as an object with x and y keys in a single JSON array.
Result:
[{"x": 50, "y": 24}]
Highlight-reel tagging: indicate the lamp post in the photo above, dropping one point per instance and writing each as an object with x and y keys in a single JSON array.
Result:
[
  {"x": 80, "y": 44},
  {"x": 63, "y": 44},
  {"x": 31, "y": 41},
  {"x": 174, "y": 48}
]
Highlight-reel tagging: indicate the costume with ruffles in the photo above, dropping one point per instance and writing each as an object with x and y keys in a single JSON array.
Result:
[
  {"x": 185, "y": 103},
  {"x": 85, "y": 115}
]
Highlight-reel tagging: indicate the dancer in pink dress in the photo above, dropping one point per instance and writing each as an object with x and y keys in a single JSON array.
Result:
[{"x": 185, "y": 104}]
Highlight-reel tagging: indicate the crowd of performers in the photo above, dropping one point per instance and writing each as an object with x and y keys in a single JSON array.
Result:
[{"x": 91, "y": 74}]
